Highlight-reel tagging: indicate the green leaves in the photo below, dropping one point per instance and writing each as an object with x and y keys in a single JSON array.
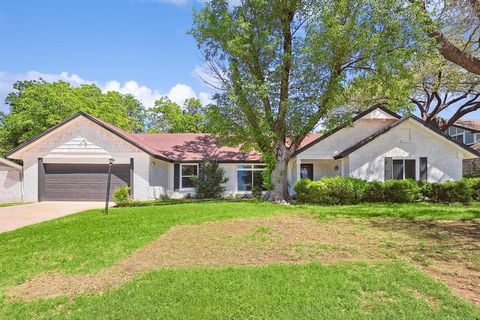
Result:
[
  {"x": 168, "y": 116},
  {"x": 36, "y": 106}
]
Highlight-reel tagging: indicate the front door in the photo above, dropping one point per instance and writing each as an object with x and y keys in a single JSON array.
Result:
[{"x": 306, "y": 171}]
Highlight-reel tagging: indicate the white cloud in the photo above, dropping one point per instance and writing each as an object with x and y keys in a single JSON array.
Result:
[{"x": 178, "y": 93}]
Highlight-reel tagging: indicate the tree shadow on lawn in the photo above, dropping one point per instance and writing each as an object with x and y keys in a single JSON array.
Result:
[{"x": 448, "y": 250}]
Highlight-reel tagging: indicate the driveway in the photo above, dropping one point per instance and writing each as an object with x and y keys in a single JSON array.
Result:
[{"x": 15, "y": 217}]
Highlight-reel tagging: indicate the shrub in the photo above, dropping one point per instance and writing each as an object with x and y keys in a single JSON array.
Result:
[
  {"x": 449, "y": 192},
  {"x": 121, "y": 195},
  {"x": 401, "y": 191},
  {"x": 336, "y": 190},
  {"x": 301, "y": 189},
  {"x": 257, "y": 192},
  {"x": 209, "y": 183},
  {"x": 474, "y": 186},
  {"x": 374, "y": 192}
]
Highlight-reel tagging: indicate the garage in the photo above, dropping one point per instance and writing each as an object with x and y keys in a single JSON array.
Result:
[{"x": 80, "y": 182}]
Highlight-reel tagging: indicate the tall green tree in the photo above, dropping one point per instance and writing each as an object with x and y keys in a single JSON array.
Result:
[
  {"x": 455, "y": 26},
  {"x": 36, "y": 106},
  {"x": 283, "y": 66},
  {"x": 168, "y": 116},
  {"x": 440, "y": 86}
]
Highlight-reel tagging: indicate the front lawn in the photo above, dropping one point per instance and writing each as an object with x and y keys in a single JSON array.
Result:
[{"x": 388, "y": 286}]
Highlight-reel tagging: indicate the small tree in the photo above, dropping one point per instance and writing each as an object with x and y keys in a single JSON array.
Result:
[{"x": 210, "y": 181}]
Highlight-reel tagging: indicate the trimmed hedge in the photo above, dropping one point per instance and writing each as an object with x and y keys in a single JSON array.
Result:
[
  {"x": 336, "y": 190},
  {"x": 343, "y": 191}
]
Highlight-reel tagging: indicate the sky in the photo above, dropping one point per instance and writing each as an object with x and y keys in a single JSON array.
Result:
[
  {"x": 139, "y": 47},
  {"x": 132, "y": 46}
]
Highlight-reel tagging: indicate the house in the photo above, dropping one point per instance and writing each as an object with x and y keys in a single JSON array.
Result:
[
  {"x": 10, "y": 181},
  {"x": 467, "y": 132},
  {"x": 70, "y": 160}
]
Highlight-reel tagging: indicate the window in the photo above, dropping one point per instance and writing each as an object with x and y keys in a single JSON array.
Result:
[
  {"x": 404, "y": 169},
  {"x": 188, "y": 171},
  {"x": 249, "y": 176}
]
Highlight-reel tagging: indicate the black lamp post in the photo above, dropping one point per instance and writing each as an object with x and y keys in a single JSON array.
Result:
[{"x": 107, "y": 198}]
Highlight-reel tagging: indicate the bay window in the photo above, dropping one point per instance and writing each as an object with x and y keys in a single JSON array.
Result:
[{"x": 249, "y": 176}]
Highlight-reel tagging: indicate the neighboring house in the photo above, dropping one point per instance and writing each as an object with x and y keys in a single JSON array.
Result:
[
  {"x": 70, "y": 160},
  {"x": 467, "y": 132},
  {"x": 10, "y": 181}
]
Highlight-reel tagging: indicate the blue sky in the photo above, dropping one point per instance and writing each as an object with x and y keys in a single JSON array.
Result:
[
  {"x": 128, "y": 45},
  {"x": 132, "y": 46}
]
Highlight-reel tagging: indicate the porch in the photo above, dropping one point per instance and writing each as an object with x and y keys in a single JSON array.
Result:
[{"x": 315, "y": 169}]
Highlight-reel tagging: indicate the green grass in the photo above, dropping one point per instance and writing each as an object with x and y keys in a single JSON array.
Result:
[
  {"x": 89, "y": 241},
  {"x": 12, "y": 204}
]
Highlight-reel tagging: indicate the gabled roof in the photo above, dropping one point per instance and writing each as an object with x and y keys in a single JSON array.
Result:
[
  {"x": 473, "y": 125},
  {"x": 11, "y": 164},
  {"x": 304, "y": 146},
  {"x": 386, "y": 129}
]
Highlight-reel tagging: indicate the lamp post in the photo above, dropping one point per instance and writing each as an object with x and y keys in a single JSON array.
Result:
[{"x": 107, "y": 198}]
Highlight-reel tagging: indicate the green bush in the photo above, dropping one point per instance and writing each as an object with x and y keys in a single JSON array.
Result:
[
  {"x": 474, "y": 186},
  {"x": 121, "y": 195},
  {"x": 331, "y": 191},
  {"x": 401, "y": 191},
  {"x": 374, "y": 192},
  {"x": 210, "y": 182},
  {"x": 449, "y": 192},
  {"x": 301, "y": 190}
]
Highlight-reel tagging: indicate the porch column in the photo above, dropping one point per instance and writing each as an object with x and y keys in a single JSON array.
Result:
[
  {"x": 299, "y": 162},
  {"x": 342, "y": 171}
]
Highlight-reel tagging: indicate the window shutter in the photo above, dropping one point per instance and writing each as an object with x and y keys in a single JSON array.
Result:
[
  {"x": 176, "y": 176},
  {"x": 388, "y": 168},
  {"x": 423, "y": 169},
  {"x": 200, "y": 169}
]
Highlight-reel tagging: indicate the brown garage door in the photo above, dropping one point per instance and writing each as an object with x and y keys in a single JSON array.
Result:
[{"x": 81, "y": 182}]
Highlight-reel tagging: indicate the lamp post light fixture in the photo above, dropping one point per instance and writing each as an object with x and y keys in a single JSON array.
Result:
[{"x": 107, "y": 198}]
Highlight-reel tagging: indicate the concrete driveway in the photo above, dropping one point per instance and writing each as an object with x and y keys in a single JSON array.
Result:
[{"x": 15, "y": 217}]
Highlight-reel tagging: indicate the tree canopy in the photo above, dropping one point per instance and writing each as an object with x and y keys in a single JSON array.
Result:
[
  {"x": 455, "y": 26},
  {"x": 36, "y": 106},
  {"x": 283, "y": 66},
  {"x": 168, "y": 116}
]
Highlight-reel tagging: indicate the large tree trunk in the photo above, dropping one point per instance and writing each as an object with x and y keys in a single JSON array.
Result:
[{"x": 279, "y": 179}]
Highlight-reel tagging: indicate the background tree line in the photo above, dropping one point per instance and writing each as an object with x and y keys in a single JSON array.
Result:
[
  {"x": 38, "y": 105},
  {"x": 284, "y": 67}
]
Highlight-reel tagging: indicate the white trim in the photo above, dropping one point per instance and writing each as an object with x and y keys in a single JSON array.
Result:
[
  {"x": 245, "y": 169},
  {"x": 11, "y": 164},
  {"x": 180, "y": 185},
  {"x": 403, "y": 159}
]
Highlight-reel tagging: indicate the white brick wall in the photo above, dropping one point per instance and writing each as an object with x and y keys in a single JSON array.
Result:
[
  {"x": 444, "y": 158},
  {"x": 10, "y": 185}
]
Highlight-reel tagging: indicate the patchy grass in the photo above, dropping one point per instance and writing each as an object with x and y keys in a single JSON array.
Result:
[
  {"x": 88, "y": 242},
  {"x": 312, "y": 291},
  {"x": 12, "y": 204}
]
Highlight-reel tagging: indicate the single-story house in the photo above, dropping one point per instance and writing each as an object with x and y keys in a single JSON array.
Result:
[
  {"x": 10, "y": 181},
  {"x": 70, "y": 160}
]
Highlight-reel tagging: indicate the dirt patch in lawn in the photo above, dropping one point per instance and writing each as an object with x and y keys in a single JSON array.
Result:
[{"x": 285, "y": 239}]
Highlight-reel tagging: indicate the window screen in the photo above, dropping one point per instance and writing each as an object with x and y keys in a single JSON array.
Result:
[
  {"x": 397, "y": 169},
  {"x": 410, "y": 169}
]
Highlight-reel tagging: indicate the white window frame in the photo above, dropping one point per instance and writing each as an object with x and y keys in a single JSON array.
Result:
[
  {"x": 417, "y": 174},
  {"x": 188, "y": 176},
  {"x": 250, "y": 169}
]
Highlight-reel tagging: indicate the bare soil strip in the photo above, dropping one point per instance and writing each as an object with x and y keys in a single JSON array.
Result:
[{"x": 287, "y": 239}]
